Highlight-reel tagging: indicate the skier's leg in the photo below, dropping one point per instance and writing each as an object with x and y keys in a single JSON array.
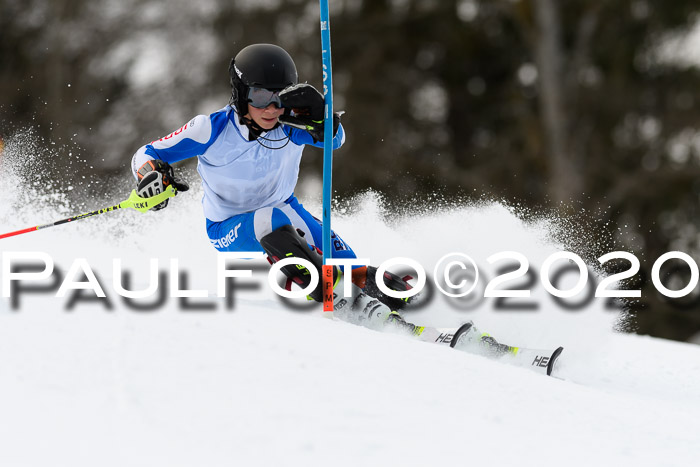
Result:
[
  {"x": 313, "y": 229},
  {"x": 358, "y": 307},
  {"x": 269, "y": 230},
  {"x": 236, "y": 233},
  {"x": 362, "y": 276},
  {"x": 287, "y": 242},
  {"x": 393, "y": 282},
  {"x": 273, "y": 231},
  {"x": 243, "y": 232}
]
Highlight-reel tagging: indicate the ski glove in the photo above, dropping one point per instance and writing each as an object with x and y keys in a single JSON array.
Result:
[
  {"x": 308, "y": 106},
  {"x": 154, "y": 177}
]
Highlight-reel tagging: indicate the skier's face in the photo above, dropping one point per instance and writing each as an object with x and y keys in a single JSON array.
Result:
[{"x": 267, "y": 117}]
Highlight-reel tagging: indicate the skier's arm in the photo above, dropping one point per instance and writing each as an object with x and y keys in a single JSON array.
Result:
[
  {"x": 301, "y": 137},
  {"x": 151, "y": 163},
  {"x": 191, "y": 140}
]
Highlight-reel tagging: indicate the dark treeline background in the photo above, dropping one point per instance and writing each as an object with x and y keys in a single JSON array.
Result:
[{"x": 589, "y": 108}]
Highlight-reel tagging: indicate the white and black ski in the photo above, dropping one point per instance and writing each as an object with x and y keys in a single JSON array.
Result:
[
  {"x": 468, "y": 339},
  {"x": 370, "y": 312}
]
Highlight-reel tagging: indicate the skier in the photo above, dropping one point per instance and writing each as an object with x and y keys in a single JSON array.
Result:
[{"x": 248, "y": 158}]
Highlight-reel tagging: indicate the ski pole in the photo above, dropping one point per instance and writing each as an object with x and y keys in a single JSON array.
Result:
[
  {"x": 327, "y": 154},
  {"x": 134, "y": 201}
]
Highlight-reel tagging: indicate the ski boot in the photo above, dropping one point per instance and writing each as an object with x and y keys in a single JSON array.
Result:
[
  {"x": 361, "y": 309},
  {"x": 468, "y": 337}
]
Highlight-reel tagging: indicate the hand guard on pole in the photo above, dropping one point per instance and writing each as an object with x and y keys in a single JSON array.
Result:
[
  {"x": 307, "y": 105},
  {"x": 154, "y": 177}
]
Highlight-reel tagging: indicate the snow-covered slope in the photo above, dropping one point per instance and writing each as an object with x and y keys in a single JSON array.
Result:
[{"x": 263, "y": 383}]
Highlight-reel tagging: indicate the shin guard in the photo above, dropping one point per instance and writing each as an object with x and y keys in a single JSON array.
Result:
[{"x": 286, "y": 242}]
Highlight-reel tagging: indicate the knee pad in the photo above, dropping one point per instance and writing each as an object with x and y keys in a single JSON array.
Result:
[{"x": 286, "y": 242}]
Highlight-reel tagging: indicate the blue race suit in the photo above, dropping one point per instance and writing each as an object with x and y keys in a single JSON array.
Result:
[{"x": 248, "y": 185}]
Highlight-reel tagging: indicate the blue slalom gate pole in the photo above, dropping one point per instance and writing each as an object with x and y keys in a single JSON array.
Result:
[{"x": 327, "y": 154}]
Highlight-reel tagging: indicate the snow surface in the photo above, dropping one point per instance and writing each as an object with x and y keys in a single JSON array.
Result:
[{"x": 266, "y": 384}]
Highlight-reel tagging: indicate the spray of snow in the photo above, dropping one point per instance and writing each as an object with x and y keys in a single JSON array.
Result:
[{"x": 264, "y": 384}]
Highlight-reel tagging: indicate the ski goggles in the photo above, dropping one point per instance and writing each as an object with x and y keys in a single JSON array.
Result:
[{"x": 261, "y": 97}]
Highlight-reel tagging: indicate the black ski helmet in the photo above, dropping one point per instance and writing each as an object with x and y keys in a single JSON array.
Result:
[{"x": 260, "y": 65}]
